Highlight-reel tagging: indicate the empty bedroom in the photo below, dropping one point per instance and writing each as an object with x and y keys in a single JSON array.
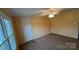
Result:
[{"x": 39, "y": 29}]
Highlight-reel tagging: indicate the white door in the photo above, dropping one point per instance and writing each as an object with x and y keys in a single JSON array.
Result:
[
  {"x": 28, "y": 32},
  {"x": 26, "y": 21}
]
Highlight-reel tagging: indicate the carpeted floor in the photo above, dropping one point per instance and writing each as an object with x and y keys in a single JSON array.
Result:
[{"x": 51, "y": 42}]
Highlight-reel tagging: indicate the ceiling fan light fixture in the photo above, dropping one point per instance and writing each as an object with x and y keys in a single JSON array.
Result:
[{"x": 51, "y": 15}]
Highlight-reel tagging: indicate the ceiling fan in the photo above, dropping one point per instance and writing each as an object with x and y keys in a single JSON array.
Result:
[{"x": 51, "y": 12}]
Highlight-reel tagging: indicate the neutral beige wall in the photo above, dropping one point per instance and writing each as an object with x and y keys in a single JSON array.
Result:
[
  {"x": 18, "y": 30},
  {"x": 40, "y": 26},
  {"x": 66, "y": 24}
]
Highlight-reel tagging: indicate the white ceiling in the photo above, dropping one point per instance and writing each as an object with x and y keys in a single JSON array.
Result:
[{"x": 24, "y": 11}]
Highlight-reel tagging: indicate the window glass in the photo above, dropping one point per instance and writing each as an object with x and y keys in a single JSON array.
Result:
[
  {"x": 10, "y": 33},
  {"x": 8, "y": 27},
  {"x": 5, "y": 46},
  {"x": 2, "y": 38}
]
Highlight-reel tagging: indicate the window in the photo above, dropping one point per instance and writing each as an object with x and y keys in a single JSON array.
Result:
[
  {"x": 1, "y": 34},
  {"x": 7, "y": 40}
]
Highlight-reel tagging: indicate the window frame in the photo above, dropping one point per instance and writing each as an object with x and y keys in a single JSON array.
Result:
[{"x": 5, "y": 33}]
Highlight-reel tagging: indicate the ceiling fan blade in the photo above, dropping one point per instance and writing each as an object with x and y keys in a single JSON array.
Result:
[
  {"x": 42, "y": 11},
  {"x": 43, "y": 14},
  {"x": 57, "y": 12},
  {"x": 55, "y": 9}
]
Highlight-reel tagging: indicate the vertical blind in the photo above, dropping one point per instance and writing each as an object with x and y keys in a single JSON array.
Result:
[{"x": 7, "y": 39}]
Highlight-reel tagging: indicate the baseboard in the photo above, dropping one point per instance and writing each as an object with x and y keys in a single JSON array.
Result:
[{"x": 64, "y": 36}]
